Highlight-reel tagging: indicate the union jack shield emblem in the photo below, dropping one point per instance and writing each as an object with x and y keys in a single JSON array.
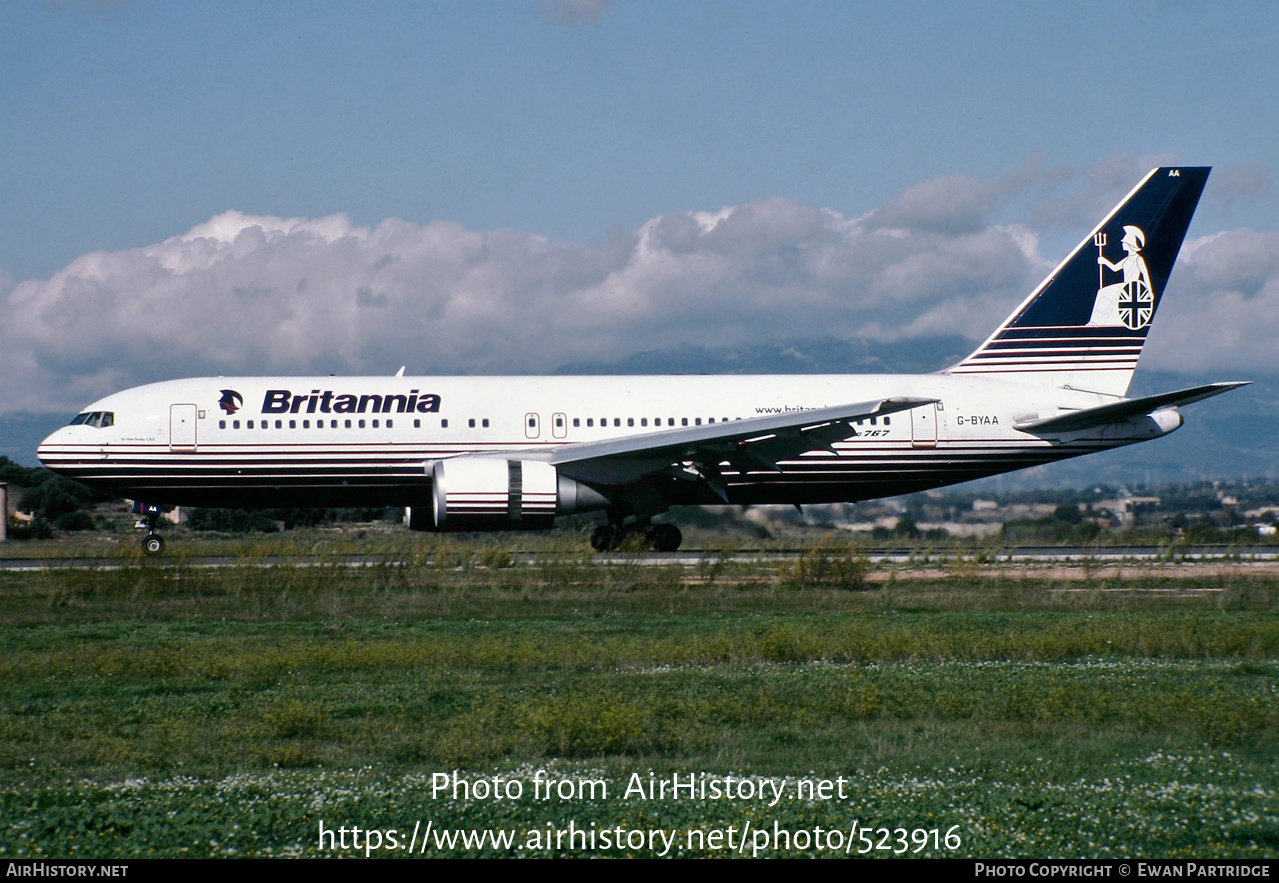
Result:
[{"x": 1136, "y": 305}]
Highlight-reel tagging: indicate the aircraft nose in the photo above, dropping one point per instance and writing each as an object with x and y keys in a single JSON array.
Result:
[{"x": 48, "y": 448}]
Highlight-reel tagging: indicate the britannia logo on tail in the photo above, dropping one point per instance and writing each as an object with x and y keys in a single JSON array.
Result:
[
  {"x": 1129, "y": 302},
  {"x": 230, "y": 401}
]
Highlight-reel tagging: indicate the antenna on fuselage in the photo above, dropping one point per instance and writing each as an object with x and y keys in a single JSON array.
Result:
[{"x": 400, "y": 373}]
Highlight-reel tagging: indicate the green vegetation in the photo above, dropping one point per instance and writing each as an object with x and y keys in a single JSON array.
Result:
[
  {"x": 57, "y": 503},
  {"x": 171, "y": 708},
  {"x": 271, "y": 520}
]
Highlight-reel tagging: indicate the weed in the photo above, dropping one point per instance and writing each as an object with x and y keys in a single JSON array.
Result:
[{"x": 828, "y": 564}]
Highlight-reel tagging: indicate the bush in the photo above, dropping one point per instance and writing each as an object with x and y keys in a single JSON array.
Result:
[
  {"x": 231, "y": 520},
  {"x": 55, "y": 496},
  {"x": 270, "y": 520},
  {"x": 827, "y": 565},
  {"x": 36, "y": 529},
  {"x": 75, "y": 520},
  {"x": 22, "y": 476}
]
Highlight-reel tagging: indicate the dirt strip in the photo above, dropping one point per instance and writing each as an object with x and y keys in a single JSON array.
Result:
[{"x": 1080, "y": 573}]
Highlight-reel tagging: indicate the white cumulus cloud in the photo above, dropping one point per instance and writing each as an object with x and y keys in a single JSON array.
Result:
[{"x": 245, "y": 294}]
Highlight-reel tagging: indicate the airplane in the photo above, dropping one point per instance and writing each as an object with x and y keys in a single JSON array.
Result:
[{"x": 515, "y": 453}]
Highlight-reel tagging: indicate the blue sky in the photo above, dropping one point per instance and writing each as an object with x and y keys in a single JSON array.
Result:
[{"x": 573, "y": 125}]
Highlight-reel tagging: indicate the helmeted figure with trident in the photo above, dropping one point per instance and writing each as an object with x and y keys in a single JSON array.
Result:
[{"x": 1131, "y": 302}]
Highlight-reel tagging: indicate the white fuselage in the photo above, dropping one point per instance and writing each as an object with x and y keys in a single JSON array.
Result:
[{"x": 366, "y": 441}]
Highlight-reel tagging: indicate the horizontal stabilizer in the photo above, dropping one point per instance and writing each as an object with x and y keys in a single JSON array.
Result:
[{"x": 1115, "y": 412}]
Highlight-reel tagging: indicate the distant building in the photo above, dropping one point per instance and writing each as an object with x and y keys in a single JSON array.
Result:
[{"x": 1126, "y": 509}]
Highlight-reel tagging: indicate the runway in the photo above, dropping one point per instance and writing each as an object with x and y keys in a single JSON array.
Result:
[{"x": 932, "y": 558}]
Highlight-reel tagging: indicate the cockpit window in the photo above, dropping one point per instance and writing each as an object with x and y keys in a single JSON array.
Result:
[{"x": 95, "y": 418}]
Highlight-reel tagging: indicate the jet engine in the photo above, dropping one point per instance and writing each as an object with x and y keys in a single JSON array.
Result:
[{"x": 493, "y": 493}]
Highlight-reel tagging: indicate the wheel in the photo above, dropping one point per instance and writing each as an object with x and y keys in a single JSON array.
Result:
[
  {"x": 153, "y": 544},
  {"x": 604, "y": 538},
  {"x": 665, "y": 537}
]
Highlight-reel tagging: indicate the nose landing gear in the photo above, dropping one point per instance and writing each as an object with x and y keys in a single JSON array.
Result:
[{"x": 152, "y": 543}]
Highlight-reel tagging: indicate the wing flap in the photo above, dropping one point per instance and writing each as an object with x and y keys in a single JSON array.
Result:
[{"x": 750, "y": 445}]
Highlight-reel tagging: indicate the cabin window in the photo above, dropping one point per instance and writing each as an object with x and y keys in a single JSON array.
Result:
[
  {"x": 361, "y": 424},
  {"x": 293, "y": 424},
  {"x": 577, "y": 421},
  {"x": 630, "y": 421},
  {"x": 471, "y": 423},
  {"x": 444, "y": 424},
  {"x": 375, "y": 424},
  {"x": 590, "y": 421},
  {"x": 559, "y": 422},
  {"x": 279, "y": 424},
  {"x": 348, "y": 424},
  {"x": 306, "y": 424},
  {"x": 698, "y": 421},
  {"x": 221, "y": 424},
  {"x": 643, "y": 421},
  {"x": 265, "y": 424},
  {"x": 887, "y": 420},
  {"x": 235, "y": 424},
  {"x": 670, "y": 421},
  {"x": 485, "y": 423},
  {"x": 417, "y": 424},
  {"x": 249, "y": 425},
  {"x": 388, "y": 424},
  {"x": 683, "y": 421},
  {"x": 617, "y": 421}
]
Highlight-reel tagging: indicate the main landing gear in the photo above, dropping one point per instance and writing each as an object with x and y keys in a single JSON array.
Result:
[{"x": 658, "y": 537}]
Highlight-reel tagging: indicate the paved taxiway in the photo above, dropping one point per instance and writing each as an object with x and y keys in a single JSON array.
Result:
[{"x": 1080, "y": 556}]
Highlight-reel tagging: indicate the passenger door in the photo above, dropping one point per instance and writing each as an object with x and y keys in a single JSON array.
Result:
[
  {"x": 182, "y": 428},
  {"x": 923, "y": 426}
]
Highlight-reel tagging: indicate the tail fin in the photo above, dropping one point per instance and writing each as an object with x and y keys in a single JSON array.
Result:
[{"x": 1085, "y": 325}]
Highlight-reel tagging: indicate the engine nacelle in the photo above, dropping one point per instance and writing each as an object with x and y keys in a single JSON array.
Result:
[{"x": 492, "y": 493}]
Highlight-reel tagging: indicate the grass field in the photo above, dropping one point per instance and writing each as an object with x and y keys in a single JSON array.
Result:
[{"x": 160, "y": 708}]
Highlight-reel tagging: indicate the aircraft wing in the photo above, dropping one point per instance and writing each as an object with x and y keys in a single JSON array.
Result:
[
  {"x": 696, "y": 452},
  {"x": 1089, "y": 418}
]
